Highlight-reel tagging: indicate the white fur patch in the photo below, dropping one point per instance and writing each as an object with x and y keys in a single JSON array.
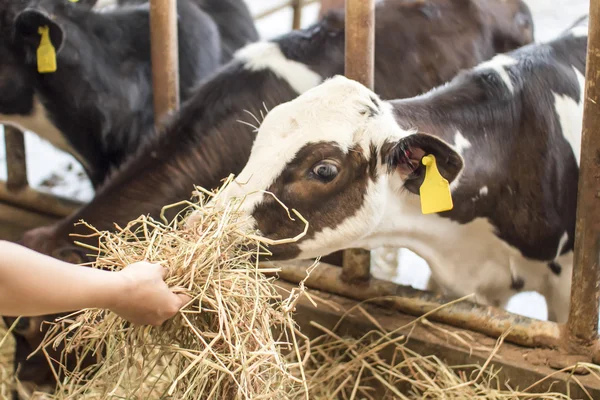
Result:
[
  {"x": 483, "y": 191},
  {"x": 105, "y": 5},
  {"x": 461, "y": 143},
  {"x": 499, "y": 64},
  {"x": 268, "y": 55},
  {"x": 570, "y": 116},
  {"x": 561, "y": 244},
  {"x": 39, "y": 123},
  {"x": 579, "y": 31}
]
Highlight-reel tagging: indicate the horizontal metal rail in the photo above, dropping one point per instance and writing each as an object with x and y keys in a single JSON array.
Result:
[
  {"x": 40, "y": 202},
  {"x": 488, "y": 320}
]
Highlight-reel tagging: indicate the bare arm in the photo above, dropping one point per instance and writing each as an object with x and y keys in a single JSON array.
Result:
[{"x": 35, "y": 284}]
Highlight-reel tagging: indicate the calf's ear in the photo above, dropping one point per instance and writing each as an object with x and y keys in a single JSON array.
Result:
[
  {"x": 404, "y": 157},
  {"x": 26, "y": 28}
]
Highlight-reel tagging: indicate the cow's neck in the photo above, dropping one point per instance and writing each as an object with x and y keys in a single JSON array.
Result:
[{"x": 204, "y": 144}]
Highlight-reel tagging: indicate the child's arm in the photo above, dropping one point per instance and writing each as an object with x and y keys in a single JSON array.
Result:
[{"x": 35, "y": 284}]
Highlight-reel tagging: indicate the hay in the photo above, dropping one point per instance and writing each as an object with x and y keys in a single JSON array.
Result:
[
  {"x": 380, "y": 366},
  {"x": 237, "y": 339},
  {"x": 6, "y": 359},
  {"x": 221, "y": 345}
]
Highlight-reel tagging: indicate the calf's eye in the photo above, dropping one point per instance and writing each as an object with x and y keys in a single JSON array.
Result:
[{"x": 325, "y": 171}]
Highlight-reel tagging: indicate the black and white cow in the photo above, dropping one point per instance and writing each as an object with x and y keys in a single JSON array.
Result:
[
  {"x": 233, "y": 19},
  {"x": 98, "y": 104},
  {"x": 506, "y": 134}
]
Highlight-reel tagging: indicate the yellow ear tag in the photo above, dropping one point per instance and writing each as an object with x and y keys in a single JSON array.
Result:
[
  {"x": 46, "y": 54},
  {"x": 435, "y": 190}
]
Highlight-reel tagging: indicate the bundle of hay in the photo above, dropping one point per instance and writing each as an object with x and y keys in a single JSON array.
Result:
[
  {"x": 6, "y": 356},
  {"x": 222, "y": 345}
]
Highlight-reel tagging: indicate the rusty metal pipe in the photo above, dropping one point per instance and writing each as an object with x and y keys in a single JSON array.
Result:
[
  {"x": 297, "y": 6},
  {"x": 16, "y": 165},
  {"x": 582, "y": 326},
  {"x": 359, "y": 66},
  {"x": 165, "y": 58},
  {"x": 467, "y": 315},
  {"x": 360, "y": 41}
]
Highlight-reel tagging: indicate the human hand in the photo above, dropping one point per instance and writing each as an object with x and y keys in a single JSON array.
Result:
[{"x": 145, "y": 298}]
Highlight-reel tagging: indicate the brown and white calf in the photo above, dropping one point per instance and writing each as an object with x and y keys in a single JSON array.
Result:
[{"x": 506, "y": 134}]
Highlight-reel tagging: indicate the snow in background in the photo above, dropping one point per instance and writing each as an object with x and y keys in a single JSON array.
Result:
[{"x": 54, "y": 171}]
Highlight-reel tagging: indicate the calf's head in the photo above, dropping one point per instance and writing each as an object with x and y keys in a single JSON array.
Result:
[{"x": 336, "y": 155}]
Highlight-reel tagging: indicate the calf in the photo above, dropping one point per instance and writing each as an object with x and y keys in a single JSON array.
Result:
[
  {"x": 98, "y": 104},
  {"x": 506, "y": 135},
  {"x": 418, "y": 46}
]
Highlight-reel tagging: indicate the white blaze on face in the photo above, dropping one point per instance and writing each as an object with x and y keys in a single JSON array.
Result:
[
  {"x": 335, "y": 112},
  {"x": 268, "y": 56}
]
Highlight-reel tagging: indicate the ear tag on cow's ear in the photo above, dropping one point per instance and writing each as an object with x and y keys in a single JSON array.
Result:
[
  {"x": 435, "y": 190},
  {"x": 46, "y": 54}
]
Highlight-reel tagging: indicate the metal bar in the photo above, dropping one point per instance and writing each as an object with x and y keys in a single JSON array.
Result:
[
  {"x": 297, "y": 10},
  {"x": 30, "y": 199},
  {"x": 16, "y": 165},
  {"x": 165, "y": 57},
  {"x": 466, "y": 315},
  {"x": 582, "y": 326},
  {"x": 359, "y": 66},
  {"x": 360, "y": 41}
]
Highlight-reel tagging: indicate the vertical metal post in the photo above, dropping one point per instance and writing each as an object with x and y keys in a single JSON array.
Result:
[
  {"x": 360, "y": 66},
  {"x": 15, "y": 158},
  {"x": 582, "y": 326},
  {"x": 297, "y": 6},
  {"x": 165, "y": 57}
]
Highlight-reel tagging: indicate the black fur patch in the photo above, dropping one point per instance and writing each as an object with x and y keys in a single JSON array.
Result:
[
  {"x": 555, "y": 267},
  {"x": 517, "y": 283}
]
